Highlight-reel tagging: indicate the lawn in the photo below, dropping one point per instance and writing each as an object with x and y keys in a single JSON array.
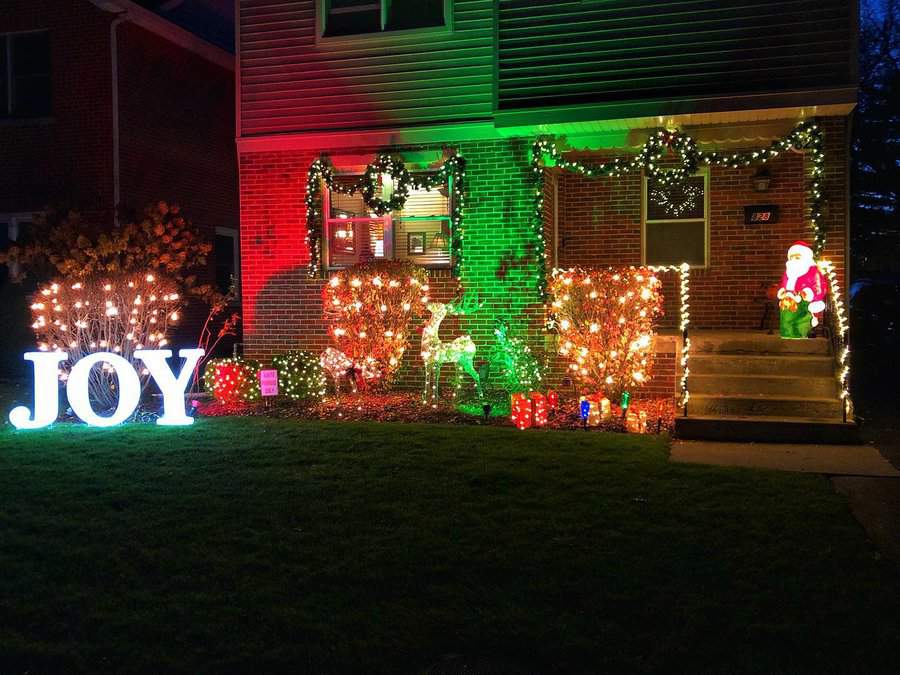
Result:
[{"x": 273, "y": 545}]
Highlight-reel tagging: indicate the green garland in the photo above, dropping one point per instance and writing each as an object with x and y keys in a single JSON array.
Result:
[
  {"x": 806, "y": 136},
  {"x": 452, "y": 173}
]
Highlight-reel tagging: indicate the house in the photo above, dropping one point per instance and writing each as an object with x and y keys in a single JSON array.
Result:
[
  {"x": 107, "y": 106},
  {"x": 426, "y": 81}
]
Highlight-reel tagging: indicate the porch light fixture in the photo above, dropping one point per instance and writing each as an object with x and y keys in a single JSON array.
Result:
[{"x": 762, "y": 179}]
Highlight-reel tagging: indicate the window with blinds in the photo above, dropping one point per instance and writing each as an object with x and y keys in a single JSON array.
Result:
[{"x": 420, "y": 232}]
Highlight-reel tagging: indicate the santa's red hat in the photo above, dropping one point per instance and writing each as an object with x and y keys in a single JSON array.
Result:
[{"x": 802, "y": 248}]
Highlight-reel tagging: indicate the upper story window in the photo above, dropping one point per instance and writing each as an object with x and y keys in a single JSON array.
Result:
[
  {"x": 359, "y": 17},
  {"x": 419, "y": 233},
  {"x": 25, "y": 74},
  {"x": 676, "y": 222}
]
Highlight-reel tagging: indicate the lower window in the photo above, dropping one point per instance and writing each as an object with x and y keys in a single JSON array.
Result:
[
  {"x": 676, "y": 222},
  {"x": 420, "y": 232}
]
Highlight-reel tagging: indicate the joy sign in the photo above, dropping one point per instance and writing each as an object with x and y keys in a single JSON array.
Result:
[{"x": 46, "y": 391}]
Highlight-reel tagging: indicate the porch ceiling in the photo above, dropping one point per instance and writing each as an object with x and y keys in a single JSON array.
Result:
[{"x": 714, "y": 129}]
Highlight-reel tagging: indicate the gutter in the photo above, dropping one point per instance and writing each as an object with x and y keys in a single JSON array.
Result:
[
  {"x": 116, "y": 160},
  {"x": 161, "y": 26}
]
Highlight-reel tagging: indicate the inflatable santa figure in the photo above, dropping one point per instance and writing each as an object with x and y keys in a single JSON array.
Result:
[{"x": 801, "y": 294}]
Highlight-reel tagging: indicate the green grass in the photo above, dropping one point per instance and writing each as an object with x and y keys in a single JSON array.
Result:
[{"x": 243, "y": 545}]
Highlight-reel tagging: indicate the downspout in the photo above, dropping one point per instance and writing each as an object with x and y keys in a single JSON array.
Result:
[{"x": 114, "y": 59}]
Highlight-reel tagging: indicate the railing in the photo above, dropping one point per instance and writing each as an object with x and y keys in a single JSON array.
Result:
[{"x": 838, "y": 332}]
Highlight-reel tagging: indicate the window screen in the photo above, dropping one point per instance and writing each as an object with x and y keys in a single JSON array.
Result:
[
  {"x": 29, "y": 71},
  {"x": 675, "y": 243},
  {"x": 352, "y": 17},
  {"x": 404, "y": 14}
]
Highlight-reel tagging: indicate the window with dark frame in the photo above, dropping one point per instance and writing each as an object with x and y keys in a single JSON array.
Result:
[
  {"x": 420, "y": 232},
  {"x": 676, "y": 222},
  {"x": 25, "y": 75},
  {"x": 227, "y": 258},
  {"x": 361, "y": 17}
]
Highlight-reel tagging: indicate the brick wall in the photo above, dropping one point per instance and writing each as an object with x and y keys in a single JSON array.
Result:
[
  {"x": 282, "y": 306},
  {"x": 599, "y": 225},
  {"x": 64, "y": 158},
  {"x": 176, "y": 119}
]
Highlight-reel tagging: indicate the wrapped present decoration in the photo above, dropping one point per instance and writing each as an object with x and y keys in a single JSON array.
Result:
[
  {"x": 521, "y": 411},
  {"x": 539, "y": 408}
]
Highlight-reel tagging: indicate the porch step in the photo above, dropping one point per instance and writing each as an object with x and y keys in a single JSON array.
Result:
[
  {"x": 801, "y": 365},
  {"x": 763, "y": 429},
  {"x": 768, "y": 385},
  {"x": 756, "y": 405},
  {"x": 750, "y": 342}
]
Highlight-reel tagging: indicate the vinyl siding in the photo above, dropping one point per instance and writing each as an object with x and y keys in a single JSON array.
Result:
[
  {"x": 290, "y": 81},
  {"x": 554, "y": 53}
]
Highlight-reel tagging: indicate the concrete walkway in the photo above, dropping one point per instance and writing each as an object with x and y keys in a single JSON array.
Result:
[{"x": 841, "y": 460}]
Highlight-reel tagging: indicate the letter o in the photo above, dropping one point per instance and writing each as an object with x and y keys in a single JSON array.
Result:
[{"x": 129, "y": 389}]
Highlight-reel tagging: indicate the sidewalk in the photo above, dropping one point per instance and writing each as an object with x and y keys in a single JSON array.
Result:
[
  {"x": 843, "y": 460},
  {"x": 869, "y": 482}
]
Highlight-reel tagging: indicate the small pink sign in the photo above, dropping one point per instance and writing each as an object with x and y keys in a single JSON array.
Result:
[{"x": 268, "y": 382}]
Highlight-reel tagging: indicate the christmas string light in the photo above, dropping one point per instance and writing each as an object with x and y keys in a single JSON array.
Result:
[
  {"x": 460, "y": 351},
  {"x": 684, "y": 320},
  {"x": 300, "y": 375},
  {"x": 841, "y": 328},
  {"x": 452, "y": 173},
  {"x": 369, "y": 309},
  {"x": 805, "y": 137},
  {"x": 232, "y": 380},
  {"x": 605, "y": 322},
  {"x": 120, "y": 315},
  {"x": 517, "y": 366}
]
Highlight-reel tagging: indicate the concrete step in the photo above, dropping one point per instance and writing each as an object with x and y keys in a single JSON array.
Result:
[
  {"x": 750, "y": 342},
  {"x": 766, "y": 429},
  {"x": 800, "y": 365},
  {"x": 717, "y": 405},
  {"x": 770, "y": 385}
]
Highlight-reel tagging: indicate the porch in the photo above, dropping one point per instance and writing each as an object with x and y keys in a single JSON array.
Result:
[{"x": 753, "y": 385}]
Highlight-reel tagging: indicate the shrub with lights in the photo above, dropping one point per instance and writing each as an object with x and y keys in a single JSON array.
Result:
[
  {"x": 232, "y": 380},
  {"x": 512, "y": 359},
  {"x": 300, "y": 375},
  {"x": 118, "y": 314},
  {"x": 369, "y": 308},
  {"x": 605, "y": 323}
]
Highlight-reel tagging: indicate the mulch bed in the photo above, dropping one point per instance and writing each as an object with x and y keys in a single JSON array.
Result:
[{"x": 408, "y": 407}]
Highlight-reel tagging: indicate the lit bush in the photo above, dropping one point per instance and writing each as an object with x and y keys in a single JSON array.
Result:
[
  {"x": 118, "y": 313},
  {"x": 369, "y": 308},
  {"x": 300, "y": 375},
  {"x": 605, "y": 324},
  {"x": 232, "y": 380}
]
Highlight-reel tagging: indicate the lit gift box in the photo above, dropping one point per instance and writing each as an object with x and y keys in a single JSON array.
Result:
[
  {"x": 636, "y": 422},
  {"x": 552, "y": 400},
  {"x": 593, "y": 410},
  {"x": 521, "y": 411},
  {"x": 539, "y": 408}
]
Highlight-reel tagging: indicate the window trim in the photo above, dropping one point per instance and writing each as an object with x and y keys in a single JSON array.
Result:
[
  {"x": 235, "y": 234},
  {"x": 381, "y": 35},
  {"x": 388, "y": 228},
  {"x": 7, "y": 116},
  {"x": 705, "y": 173}
]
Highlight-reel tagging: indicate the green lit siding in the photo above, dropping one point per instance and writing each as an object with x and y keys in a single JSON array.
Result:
[
  {"x": 596, "y": 51},
  {"x": 292, "y": 82}
]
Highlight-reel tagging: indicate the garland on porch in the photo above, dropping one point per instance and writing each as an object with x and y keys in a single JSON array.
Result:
[
  {"x": 321, "y": 172},
  {"x": 806, "y": 136}
]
